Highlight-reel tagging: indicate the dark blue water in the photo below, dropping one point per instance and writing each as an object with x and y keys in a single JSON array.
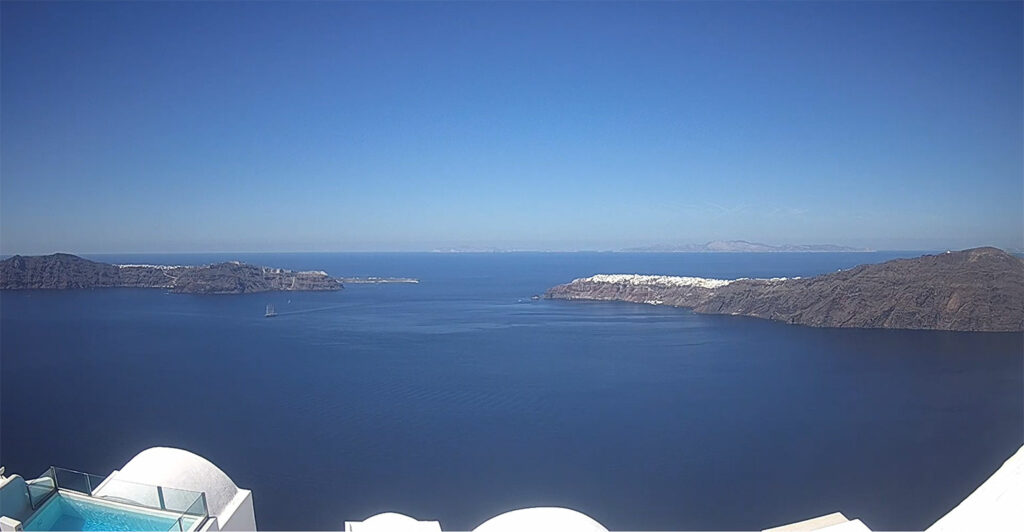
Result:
[{"x": 459, "y": 398}]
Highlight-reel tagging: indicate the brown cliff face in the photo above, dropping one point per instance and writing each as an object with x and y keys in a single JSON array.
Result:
[
  {"x": 63, "y": 271},
  {"x": 57, "y": 271},
  {"x": 978, "y": 289}
]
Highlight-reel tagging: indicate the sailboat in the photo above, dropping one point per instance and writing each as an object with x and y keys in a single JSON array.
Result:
[{"x": 270, "y": 312}]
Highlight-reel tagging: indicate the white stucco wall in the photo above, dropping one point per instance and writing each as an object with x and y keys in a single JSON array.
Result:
[
  {"x": 998, "y": 504},
  {"x": 392, "y": 522},
  {"x": 181, "y": 469},
  {"x": 541, "y": 520}
]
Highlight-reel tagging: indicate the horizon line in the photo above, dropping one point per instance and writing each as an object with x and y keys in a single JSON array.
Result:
[{"x": 499, "y": 251}]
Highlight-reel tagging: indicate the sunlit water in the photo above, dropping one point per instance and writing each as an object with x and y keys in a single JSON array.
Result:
[{"x": 460, "y": 398}]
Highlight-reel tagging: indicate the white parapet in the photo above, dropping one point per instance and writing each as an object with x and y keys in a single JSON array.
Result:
[
  {"x": 392, "y": 522},
  {"x": 541, "y": 520},
  {"x": 176, "y": 468},
  {"x": 998, "y": 504},
  {"x": 816, "y": 523},
  {"x": 527, "y": 519},
  {"x": 834, "y": 522},
  {"x": 8, "y": 524}
]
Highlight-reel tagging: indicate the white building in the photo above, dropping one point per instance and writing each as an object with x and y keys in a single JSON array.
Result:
[
  {"x": 159, "y": 489},
  {"x": 171, "y": 489}
]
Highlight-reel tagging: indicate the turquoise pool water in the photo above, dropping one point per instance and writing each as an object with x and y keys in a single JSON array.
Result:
[{"x": 64, "y": 512}]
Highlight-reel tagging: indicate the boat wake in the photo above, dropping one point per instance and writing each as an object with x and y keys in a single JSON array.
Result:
[{"x": 307, "y": 311}]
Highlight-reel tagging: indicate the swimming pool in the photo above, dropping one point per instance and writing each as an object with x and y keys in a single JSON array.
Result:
[{"x": 66, "y": 511}]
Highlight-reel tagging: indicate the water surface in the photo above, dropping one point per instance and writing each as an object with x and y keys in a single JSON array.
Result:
[{"x": 460, "y": 398}]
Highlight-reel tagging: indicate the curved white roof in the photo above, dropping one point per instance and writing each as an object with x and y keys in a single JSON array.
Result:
[
  {"x": 392, "y": 522},
  {"x": 177, "y": 468},
  {"x": 541, "y": 520}
]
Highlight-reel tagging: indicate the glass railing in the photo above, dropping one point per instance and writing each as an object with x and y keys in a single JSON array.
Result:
[
  {"x": 187, "y": 507},
  {"x": 195, "y": 513},
  {"x": 67, "y": 479},
  {"x": 40, "y": 489}
]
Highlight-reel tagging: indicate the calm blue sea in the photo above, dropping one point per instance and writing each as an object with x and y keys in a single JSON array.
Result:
[{"x": 460, "y": 398}]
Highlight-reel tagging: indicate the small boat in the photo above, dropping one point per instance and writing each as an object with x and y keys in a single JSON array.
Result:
[{"x": 270, "y": 312}]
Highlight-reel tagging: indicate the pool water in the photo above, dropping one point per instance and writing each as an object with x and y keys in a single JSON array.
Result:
[{"x": 64, "y": 512}]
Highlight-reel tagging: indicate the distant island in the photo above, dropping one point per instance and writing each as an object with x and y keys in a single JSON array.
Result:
[
  {"x": 742, "y": 246},
  {"x": 979, "y": 289},
  {"x": 378, "y": 280},
  {"x": 63, "y": 271}
]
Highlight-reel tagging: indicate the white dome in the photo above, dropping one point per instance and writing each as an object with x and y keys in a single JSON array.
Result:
[
  {"x": 541, "y": 520},
  {"x": 392, "y": 522},
  {"x": 177, "y": 468}
]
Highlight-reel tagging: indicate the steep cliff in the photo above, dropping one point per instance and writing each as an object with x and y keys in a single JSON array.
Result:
[
  {"x": 978, "y": 289},
  {"x": 63, "y": 271}
]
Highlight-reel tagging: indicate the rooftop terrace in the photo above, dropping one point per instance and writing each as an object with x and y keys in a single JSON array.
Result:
[
  {"x": 164, "y": 489},
  {"x": 159, "y": 490}
]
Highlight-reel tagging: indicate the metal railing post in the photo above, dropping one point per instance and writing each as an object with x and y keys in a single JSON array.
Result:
[{"x": 160, "y": 495}]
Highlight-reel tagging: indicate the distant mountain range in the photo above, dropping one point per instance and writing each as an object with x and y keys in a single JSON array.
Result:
[
  {"x": 742, "y": 246},
  {"x": 979, "y": 289}
]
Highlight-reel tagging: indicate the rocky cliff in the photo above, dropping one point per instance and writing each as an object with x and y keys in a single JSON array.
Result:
[
  {"x": 978, "y": 289},
  {"x": 63, "y": 271}
]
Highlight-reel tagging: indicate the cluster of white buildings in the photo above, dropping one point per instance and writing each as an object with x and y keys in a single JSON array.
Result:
[{"x": 164, "y": 489}]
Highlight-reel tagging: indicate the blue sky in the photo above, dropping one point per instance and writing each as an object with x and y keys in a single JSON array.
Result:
[{"x": 156, "y": 127}]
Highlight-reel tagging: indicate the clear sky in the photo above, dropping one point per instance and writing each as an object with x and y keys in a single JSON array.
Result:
[{"x": 346, "y": 126}]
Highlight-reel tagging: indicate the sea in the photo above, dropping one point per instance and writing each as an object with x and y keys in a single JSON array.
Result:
[{"x": 461, "y": 397}]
